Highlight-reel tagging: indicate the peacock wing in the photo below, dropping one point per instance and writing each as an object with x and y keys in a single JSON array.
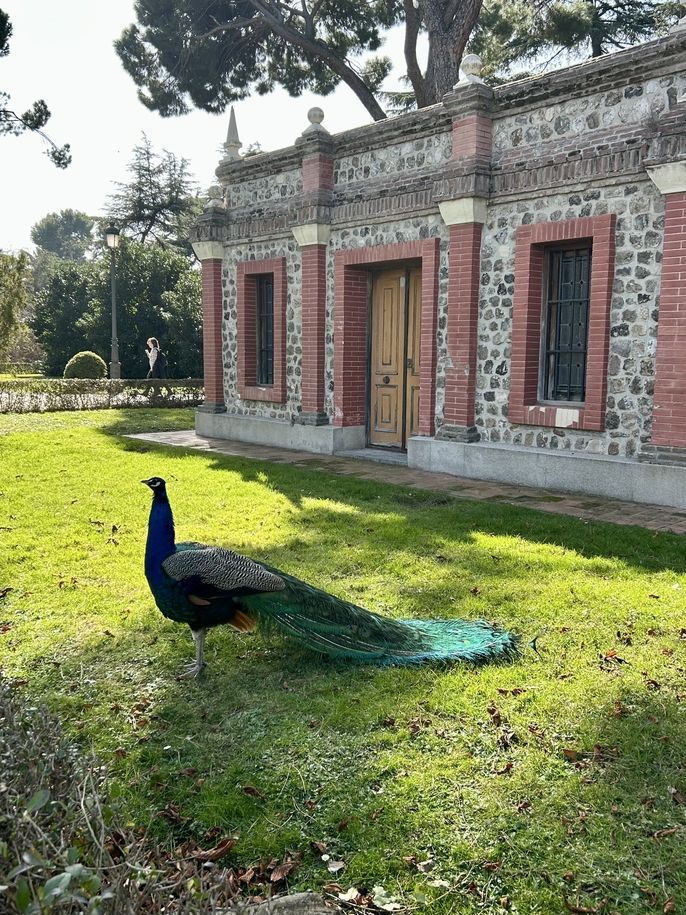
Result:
[{"x": 220, "y": 568}]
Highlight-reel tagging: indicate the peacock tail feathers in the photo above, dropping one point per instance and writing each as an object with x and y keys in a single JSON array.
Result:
[{"x": 326, "y": 624}]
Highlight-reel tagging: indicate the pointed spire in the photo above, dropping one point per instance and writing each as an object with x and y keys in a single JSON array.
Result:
[{"x": 233, "y": 144}]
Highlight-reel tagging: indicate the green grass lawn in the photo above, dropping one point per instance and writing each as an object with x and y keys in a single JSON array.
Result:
[{"x": 559, "y": 777}]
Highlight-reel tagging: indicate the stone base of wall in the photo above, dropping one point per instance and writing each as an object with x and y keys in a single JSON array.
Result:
[
  {"x": 277, "y": 434},
  {"x": 615, "y": 478},
  {"x": 663, "y": 454}
]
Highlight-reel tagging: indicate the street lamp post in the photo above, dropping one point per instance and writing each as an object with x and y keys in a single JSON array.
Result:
[{"x": 112, "y": 238}]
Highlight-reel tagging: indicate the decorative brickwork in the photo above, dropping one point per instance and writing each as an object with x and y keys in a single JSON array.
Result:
[
  {"x": 313, "y": 340},
  {"x": 463, "y": 321},
  {"x": 669, "y": 404},
  {"x": 213, "y": 364},
  {"x": 247, "y": 333},
  {"x": 526, "y": 318},
  {"x": 472, "y": 136},
  {"x": 318, "y": 172}
]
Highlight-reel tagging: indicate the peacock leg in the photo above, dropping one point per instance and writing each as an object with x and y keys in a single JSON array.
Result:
[{"x": 194, "y": 668}]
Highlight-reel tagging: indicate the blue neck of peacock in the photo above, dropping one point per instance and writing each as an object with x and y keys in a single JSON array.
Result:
[{"x": 160, "y": 542}]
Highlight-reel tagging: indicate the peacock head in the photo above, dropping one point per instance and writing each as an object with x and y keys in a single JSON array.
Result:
[{"x": 158, "y": 486}]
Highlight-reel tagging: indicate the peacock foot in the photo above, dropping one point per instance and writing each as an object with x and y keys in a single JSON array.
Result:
[{"x": 192, "y": 671}]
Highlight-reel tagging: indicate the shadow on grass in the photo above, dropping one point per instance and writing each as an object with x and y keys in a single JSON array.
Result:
[{"x": 430, "y": 512}]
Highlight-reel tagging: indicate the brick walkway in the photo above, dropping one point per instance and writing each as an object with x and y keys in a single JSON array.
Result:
[{"x": 591, "y": 508}]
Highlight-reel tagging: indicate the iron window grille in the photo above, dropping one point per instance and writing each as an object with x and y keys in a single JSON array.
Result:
[
  {"x": 264, "y": 326},
  {"x": 566, "y": 325}
]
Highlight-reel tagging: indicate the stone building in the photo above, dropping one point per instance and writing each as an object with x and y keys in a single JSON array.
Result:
[{"x": 494, "y": 286}]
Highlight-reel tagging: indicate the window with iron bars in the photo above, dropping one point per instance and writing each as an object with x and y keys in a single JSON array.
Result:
[
  {"x": 264, "y": 326},
  {"x": 566, "y": 325}
]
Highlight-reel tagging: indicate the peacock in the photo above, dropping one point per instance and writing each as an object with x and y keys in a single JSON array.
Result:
[{"x": 206, "y": 586}]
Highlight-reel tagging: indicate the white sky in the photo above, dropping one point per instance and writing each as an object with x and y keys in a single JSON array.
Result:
[{"x": 63, "y": 53}]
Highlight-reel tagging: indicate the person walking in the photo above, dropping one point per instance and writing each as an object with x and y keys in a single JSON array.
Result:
[{"x": 156, "y": 359}]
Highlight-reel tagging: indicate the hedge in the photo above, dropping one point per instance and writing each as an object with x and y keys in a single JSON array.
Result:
[{"x": 43, "y": 395}]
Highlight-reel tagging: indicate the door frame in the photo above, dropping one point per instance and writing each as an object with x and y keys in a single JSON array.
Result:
[
  {"x": 351, "y": 296},
  {"x": 406, "y": 267}
]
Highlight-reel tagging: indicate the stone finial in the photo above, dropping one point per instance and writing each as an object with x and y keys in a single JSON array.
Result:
[
  {"x": 216, "y": 197},
  {"x": 315, "y": 116},
  {"x": 232, "y": 144},
  {"x": 470, "y": 69}
]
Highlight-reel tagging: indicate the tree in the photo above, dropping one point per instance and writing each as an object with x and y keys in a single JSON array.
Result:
[
  {"x": 67, "y": 234},
  {"x": 14, "y": 275},
  {"x": 160, "y": 201},
  {"x": 208, "y": 54},
  {"x": 35, "y": 117},
  {"x": 513, "y": 32},
  {"x": 158, "y": 295}
]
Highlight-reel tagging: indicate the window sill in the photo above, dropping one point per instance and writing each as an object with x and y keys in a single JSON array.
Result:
[{"x": 271, "y": 393}]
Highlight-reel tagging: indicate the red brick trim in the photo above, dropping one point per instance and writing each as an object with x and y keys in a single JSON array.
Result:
[
  {"x": 248, "y": 388},
  {"x": 350, "y": 327},
  {"x": 318, "y": 173},
  {"x": 313, "y": 327},
  {"x": 472, "y": 136},
  {"x": 669, "y": 399},
  {"x": 213, "y": 362},
  {"x": 463, "y": 319},
  {"x": 526, "y": 322}
]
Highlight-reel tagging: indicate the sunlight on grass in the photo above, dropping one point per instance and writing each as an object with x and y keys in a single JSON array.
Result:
[{"x": 548, "y": 779}]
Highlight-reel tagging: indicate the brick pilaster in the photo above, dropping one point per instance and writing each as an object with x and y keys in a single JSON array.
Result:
[
  {"x": 313, "y": 334},
  {"x": 669, "y": 399},
  {"x": 462, "y": 332},
  {"x": 213, "y": 362}
]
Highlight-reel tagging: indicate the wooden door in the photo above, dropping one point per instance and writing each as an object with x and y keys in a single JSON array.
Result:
[
  {"x": 414, "y": 339},
  {"x": 395, "y": 355},
  {"x": 387, "y": 359}
]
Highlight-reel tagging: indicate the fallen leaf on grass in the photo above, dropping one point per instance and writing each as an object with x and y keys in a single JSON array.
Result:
[
  {"x": 5, "y": 591},
  {"x": 5, "y": 627},
  {"x": 571, "y": 755},
  {"x": 677, "y": 797},
  {"x": 282, "y": 870},
  {"x": 475, "y": 590},
  {"x": 663, "y": 833},
  {"x": 523, "y": 806},
  {"x": 319, "y": 848},
  {"x": 496, "y": 717},
  {"x": 215, "y": 853},
  {"x": 507, "y": 768},
  {"x": 252, "y": 791},
  {"x": 172, "y": 814},
  {"x": 375, "y": 814},
  {"x": 669, "y": 906},
  {"x": 335, "y": 867},
  {"x": 343, "y": 824},
  {"x": 189, "y": 772}
]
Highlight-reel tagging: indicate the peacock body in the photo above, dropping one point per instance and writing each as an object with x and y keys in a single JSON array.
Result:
[{"x": 206, "y": 586}]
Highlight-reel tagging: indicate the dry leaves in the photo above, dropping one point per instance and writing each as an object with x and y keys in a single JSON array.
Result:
[{"x": 220, "y": 850}]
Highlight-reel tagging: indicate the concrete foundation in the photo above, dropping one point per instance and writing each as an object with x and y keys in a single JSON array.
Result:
[
  {"x": 280, "y": 434},
  {"x": 614, "y": 478}
]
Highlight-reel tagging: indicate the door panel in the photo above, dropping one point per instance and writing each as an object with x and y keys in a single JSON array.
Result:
[
  {"x": 388, "y": 345},
  {"x": 395, "y": 357},
  {"x": 414, "y": 348}
]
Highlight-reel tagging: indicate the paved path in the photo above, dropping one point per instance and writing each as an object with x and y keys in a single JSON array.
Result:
[{"x": 591, "y": 508}]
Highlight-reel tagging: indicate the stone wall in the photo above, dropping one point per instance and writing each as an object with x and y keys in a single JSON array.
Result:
[
  {"x": 285, "y": 247},
  {"x": 635, "y": 301},
  {"x": 575, "y": 143}
]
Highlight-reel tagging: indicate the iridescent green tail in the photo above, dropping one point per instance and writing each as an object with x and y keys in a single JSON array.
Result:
[{"x": 326, "y": 624}]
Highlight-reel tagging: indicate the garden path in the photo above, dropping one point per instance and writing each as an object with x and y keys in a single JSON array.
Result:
[{"x": 589, "y": 508}]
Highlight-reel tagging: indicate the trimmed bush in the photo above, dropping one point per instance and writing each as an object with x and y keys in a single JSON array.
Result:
[
  {"x": 85, "y": 365},
  {"x": 43, "y": 395}
]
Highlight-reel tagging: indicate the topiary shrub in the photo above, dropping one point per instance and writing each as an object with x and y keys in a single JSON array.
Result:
[{"x": 85, "y": 365}]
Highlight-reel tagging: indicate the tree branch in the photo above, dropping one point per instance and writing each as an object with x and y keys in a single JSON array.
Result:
[{"x": 414, "y": 73}]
